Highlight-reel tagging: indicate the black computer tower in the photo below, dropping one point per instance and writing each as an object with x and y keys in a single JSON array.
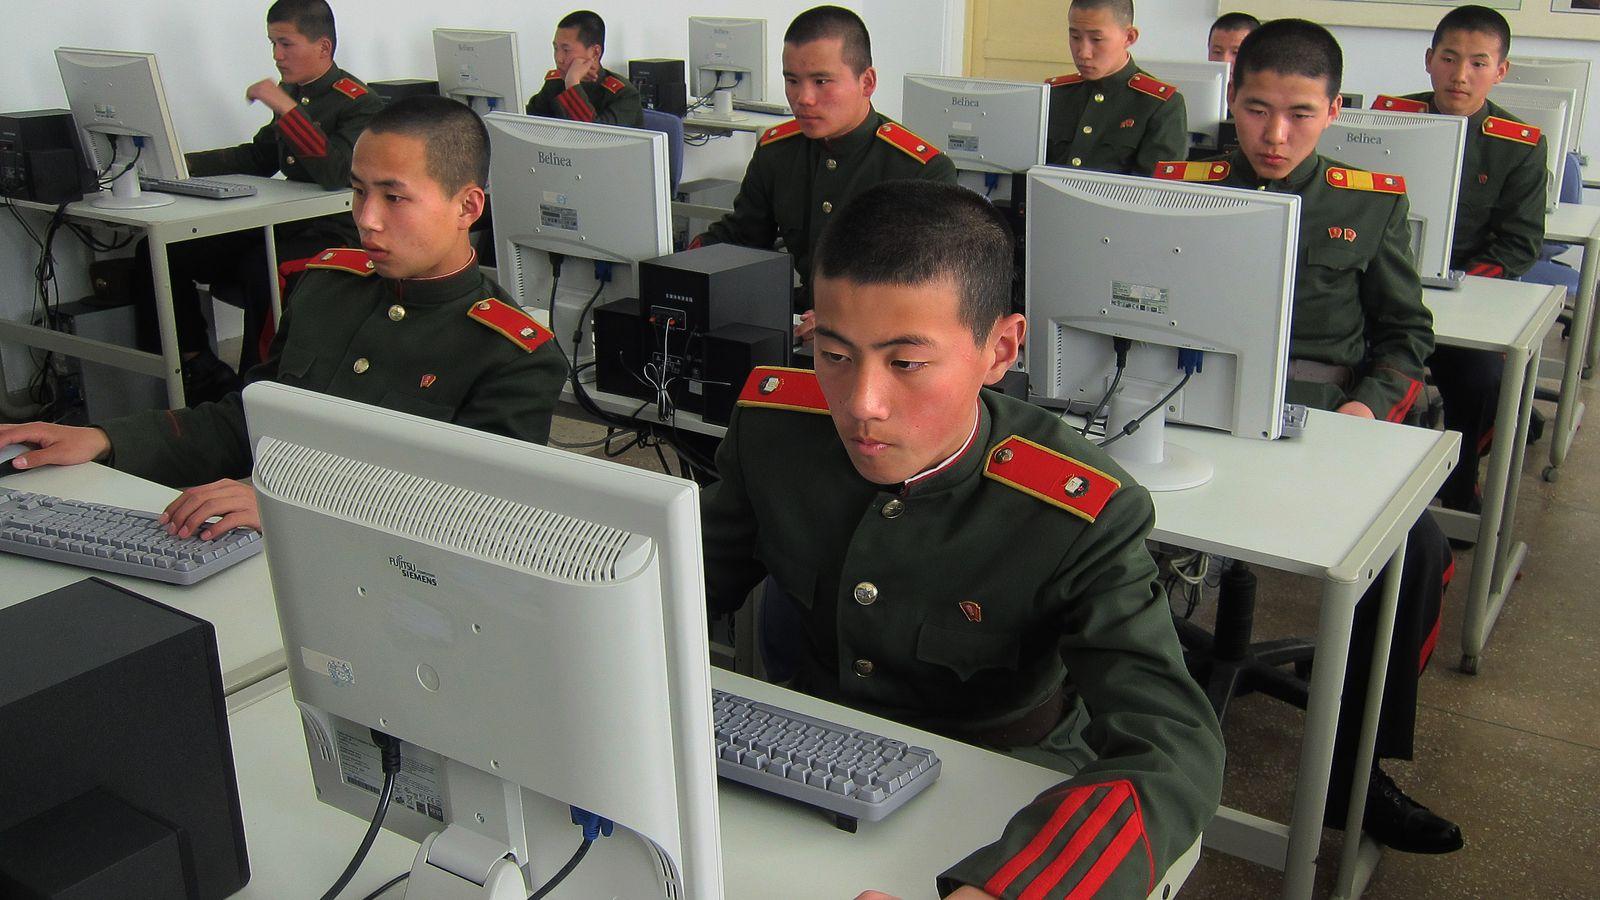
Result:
[
  {"x": 41, "y": 157},
  {"x": 730, "y": 353},
  {"x": 116, "y": 768},
  {"x": 661, "y": 84},
  {"x": 401, "y": 88}
]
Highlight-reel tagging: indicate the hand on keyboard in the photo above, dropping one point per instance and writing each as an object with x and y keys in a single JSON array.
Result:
[
  {"x": 59, "y": 445},
  {"x": 234, "y": 501}
]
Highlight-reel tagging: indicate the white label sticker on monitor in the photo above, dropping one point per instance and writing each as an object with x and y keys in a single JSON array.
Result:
[
  {"x": 961, "y": 126},
  {"x": 338, "y": 669},
  {"x": 554, "y": 216},
  {"x": 416, "y": 788},
  {"x": 967, "y": 143},
  {"x": 1141, "y": 297}
]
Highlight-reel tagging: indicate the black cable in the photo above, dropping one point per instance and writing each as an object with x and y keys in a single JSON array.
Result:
[
  {"x": 138, "y": 151},
  {"x": 1133, "y": 426},
  {"x": 390, "y": 748},
  {"x": 1122, "y": 346},
  {"x": 566, "y": 870},
  {"x": 378, "y": 892}
]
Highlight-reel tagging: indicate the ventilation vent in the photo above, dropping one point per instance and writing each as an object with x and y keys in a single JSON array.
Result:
[
  {"x": 509, "y": 533},
  {"x": 568, "y": 138},
  {"x": 1355, "y": 121},
  {"x": 1061, "y": 353},
  {"x": 670, "y": 888},
  {"x": 1162, "y": 198}
]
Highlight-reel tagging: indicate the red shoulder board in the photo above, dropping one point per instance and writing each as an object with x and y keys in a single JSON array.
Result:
[
  {"x": 1193, "y": 171},
  {"x": 1399, "y": 104},
  {"x": 778, "y": 387},
  {"x": 613, "y": 84},
  {"x": 779, "y": 132},
  {"x": 350, "y": 88},
  {"x": 907, "y": 140},
  {"x": 346, "y": 259},
  {"x": 519, "y": 327},
  {"x": 1055, "y": 478},
  {"x": 1511, "y": 131},
  {"x": 1156, "y": 88},
  {"x": 1357, "y": 180},
  {"x": 552, "y": 75},
  {"x": 1061, "y": 80}
]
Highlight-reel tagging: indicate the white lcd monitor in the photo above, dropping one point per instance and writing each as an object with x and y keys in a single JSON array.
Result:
[
  {"x": 529, "y": 623},
  {"x": 479, "y": 68},
  {"x": 1425, "y": 150},
  {"x": 1204, "y": 86},
  {"x": 1114, "y": 257},
  {"x": 589, "y": 193},
  {"x": 994, "y": 127},
  {"x": 728, "y": 55},
  {"x": 122, "y": 116},
  {"x": 1560, "y": 73},
  {"x": 1549, "y": 109}
]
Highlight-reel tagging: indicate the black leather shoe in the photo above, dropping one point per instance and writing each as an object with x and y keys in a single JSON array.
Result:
[{"x": 1401, "y": 823}]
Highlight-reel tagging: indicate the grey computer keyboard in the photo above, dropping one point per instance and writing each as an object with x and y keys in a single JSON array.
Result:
[
  {"x": 113, "y": 539},
  {"x": 853, "y": 774},
  {"x": 762, "y": 106},
  {"x": 209, "y": 188}
]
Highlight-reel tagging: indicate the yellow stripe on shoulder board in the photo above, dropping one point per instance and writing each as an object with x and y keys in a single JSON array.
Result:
[
  {"x": 1357, "y": 180},
  {"x": 1179, "y": 170}
]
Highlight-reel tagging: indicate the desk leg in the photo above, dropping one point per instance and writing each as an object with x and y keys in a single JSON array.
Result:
[
  {"x": 1569, "y": 410},
  {"x": 166, "y": 327},
  {"x": 1588, "y": 275},
  {"x": 275, "y": 305},
  {"x": 1499, "y": 492},
  {"x": 1359, "y": 855},
  {"x": 1316, "y": 748}
]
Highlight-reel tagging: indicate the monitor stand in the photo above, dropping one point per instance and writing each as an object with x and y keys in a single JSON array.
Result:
[
  {"x": 1155, "y": 463},
  {"x": 125, "y": 192}
]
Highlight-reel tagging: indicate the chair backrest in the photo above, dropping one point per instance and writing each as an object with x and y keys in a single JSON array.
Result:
[
  {"x": 672, "y": 127},
  {"x": 1572, "y": 180}
]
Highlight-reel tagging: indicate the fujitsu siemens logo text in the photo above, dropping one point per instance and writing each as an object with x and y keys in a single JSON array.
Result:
[
  {"x": 550, "y": 159},
  {"x": 1359, "y": 137},
  {"x": 410, "y": 570}
]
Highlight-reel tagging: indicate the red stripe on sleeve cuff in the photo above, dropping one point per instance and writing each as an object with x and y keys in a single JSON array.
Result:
[
  {"x": 307, "y": 138},
  {"x": 576, "y": 104}
]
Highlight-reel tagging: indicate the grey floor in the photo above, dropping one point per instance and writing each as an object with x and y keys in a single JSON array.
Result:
[{"x": 1512, "y": 754}]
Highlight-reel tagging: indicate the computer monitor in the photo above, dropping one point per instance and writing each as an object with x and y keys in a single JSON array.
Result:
[
  {"x": 1550, "y": 110},
  {"x": 1562, "y": 73},
  {"x": 121, "y": 111},
  {"x": 530, "y": 623},
  {"x": 587, "y": 192},
  {"x": 1352, "y": 101},
  {"x": 478, "y": 67},
  {"x": 1204, "y": 86},
  {"x": 728, "y": 54},
  {"x": 994, "y": 127},
  {"x": 1425, "y": 150},
  {"x": 1157, "y": 263}
]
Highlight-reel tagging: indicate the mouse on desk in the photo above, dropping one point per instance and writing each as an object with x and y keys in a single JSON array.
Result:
[{"x": 10, "y": 452}]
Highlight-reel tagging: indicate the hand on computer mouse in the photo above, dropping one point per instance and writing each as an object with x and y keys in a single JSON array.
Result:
[
  {"x": 1356, "y": 408},
  {"x": 57, "y": 445},
  {"x": 233, "y": 501}
]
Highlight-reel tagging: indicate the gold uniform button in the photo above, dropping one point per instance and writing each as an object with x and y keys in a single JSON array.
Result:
[
  {"x": 397, "y": 312},
  {"x": 866, "y": 593},
  {"x": 361, "y": 366},
  {"x": 893, "y": 509},
  {"x": 289, "y": 160},
  {"x": 1002, "y": 456},
  {"x": 1077, "y": 161},
  {"x": 1088, "y": 129},
  {"x": 1099, "y": 98},
  {"x": 864, "y": 667},
  {"x": 827, "y": 206},
  {"x": 832, "y": 164},
  {"x": 305, "y": 101}
]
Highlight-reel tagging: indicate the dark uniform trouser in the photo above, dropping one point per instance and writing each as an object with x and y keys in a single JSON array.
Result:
[
  {"x": 1469, "y": 384},
  {"x": 1425, "y": 573}
]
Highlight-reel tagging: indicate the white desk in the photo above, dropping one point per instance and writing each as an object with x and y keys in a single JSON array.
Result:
[
  {"x": 770, "y": 847},
  {"x": 1509, "y": 317},
  {"x": 188, "y": 218},
  {"x": 238, "y": 601},
  {"x": 753, "y": 122}
]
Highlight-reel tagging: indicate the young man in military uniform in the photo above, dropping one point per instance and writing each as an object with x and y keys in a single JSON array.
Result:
[
  {"x": 1227, "y": 33},
  {"x": 408, "y": 322},
  {"x": 1499, "y": 216},
  {"x": 318, "y": 111},
  {"x": 900, "y": 547},
  {"x": 837, "y": 145},
  {"x": 1358, "y": 339},
  {"x": 581, "y": 89},
  {"x": 1111, "y": 116}
]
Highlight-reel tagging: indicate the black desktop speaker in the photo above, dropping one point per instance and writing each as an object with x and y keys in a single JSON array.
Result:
[
  {"x": 401, "y": 88},
  {"x": 116, "y": 770},
  {"x": 730, "y": 353},
  {"x": 618, "y": 349},
  {"x": 661, "y": 84}
]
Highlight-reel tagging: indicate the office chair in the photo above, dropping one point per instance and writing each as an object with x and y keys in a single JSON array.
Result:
[
  {"x": 671, "y": 126},
  {"x": 1228, "y": 665}
]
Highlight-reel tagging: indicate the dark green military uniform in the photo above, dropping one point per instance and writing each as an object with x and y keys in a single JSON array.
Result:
[
  {"x": 1500, "y": 210},
  {"x": 794, "y": 183},
  {"x": 608, "y": 100},
  {"x": 991, "y": 600},
  {"x": 1124, "y": 123},
  {"x": 1357, "y": 298},
  {"x": 425, "y": 347}
]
